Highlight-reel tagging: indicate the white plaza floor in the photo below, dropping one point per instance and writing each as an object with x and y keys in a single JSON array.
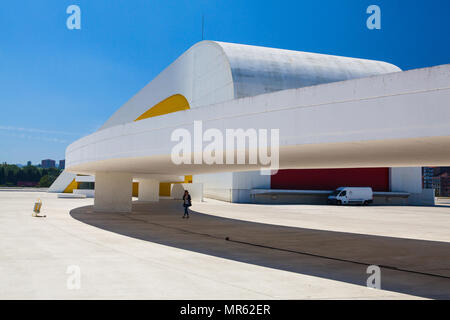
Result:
[{"x": 273, "y": 251}]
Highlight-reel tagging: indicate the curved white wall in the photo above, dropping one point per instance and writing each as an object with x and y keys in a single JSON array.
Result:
[
  {"x": 213, "y": 72},
  {"x": 400, "y": 119},
  {"x": 258, "y": 70},
  {"x": 202, "y": 75}
]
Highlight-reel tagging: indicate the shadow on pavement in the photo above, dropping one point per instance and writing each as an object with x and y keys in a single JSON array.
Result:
[{"x": 416, "y": 267}]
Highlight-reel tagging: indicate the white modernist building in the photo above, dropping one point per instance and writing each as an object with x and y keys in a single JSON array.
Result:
[{"x": 331, "y": 112}]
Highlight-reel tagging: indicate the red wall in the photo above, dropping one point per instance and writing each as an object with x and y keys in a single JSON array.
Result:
[{"x": 330, "y": 179}]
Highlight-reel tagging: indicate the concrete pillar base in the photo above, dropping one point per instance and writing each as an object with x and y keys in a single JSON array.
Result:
[
  {"x": 148, "y": 190},
  {"x": 113, "y": 192}
]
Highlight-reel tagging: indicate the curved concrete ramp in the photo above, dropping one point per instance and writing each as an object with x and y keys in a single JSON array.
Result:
[
  {"x": 400, "y": 119},
  {"x": 61, "y": 183}
]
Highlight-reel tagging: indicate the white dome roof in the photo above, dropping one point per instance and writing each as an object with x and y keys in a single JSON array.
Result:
[{"x": 212, "y": 72}]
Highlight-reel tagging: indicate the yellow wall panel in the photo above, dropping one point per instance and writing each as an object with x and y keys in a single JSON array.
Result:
[
  {"x": 135, "y": 192},
  {"x": 173, "y": 103},
  {"x": 71, "y": 186},
  {"x": 164, "y": 189}
]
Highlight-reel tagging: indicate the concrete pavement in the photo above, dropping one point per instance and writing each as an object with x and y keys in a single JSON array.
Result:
[{"x": 154, "y": 254}]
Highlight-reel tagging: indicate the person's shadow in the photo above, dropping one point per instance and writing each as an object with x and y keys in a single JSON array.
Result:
[{"x": 416, "y": 267}]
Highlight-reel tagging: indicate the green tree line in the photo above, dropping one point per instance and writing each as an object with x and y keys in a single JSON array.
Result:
[{"x": 10, "y": 175}]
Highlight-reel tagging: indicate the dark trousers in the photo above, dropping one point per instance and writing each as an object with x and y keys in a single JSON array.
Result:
[{"x": 186, "y": 213}]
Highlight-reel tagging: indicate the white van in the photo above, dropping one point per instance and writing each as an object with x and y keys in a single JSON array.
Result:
[{"x": 351, "y": 195}]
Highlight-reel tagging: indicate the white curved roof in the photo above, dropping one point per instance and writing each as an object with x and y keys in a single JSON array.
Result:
[{"x": 212, "y": 72}]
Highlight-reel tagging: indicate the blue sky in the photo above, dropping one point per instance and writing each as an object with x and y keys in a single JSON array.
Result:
[{"x": 57, "y": 85}]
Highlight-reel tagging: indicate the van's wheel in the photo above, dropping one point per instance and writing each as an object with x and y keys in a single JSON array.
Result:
[
  {"x": 366, "y": 203},
  {"x": 339, "y": 202}
]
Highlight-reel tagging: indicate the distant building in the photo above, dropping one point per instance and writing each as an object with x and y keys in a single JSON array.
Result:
[
  {"x": 28, "y": 163},
  {"x": 442, "y": 184},
  {"x": 445, "y": 185},
  {"x": 441, "y": 181},
  {"x": 427, "y": 177},
  {"x": 437, "y": 186},
  {"x": 62, "y": 164},
  {"x": 440, "y": 170},
  {"x": 48, "y": 163}
]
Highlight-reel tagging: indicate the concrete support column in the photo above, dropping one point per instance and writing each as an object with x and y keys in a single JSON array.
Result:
[
  {"x": 113, "y": 192},
  {"x": 148, "y": 190}
]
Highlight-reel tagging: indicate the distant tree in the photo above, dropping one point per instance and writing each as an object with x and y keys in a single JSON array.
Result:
[
  {"x": 2, "y": 175},
  {"x": 35, "y": 174},
  {"x": 46, "y": 181},
  {"x": 10, "y": 175}
]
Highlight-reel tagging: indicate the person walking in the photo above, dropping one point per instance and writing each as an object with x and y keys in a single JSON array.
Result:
[{"x": 186, "y": 203}]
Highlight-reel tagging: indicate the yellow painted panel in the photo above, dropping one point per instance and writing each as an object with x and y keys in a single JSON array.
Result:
[
  {"x": 164, "y": 189},
  {"x": 173, "y": 103},
  {"x": 71, "y": 186},
  {"x": 135, "y": 192}
]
